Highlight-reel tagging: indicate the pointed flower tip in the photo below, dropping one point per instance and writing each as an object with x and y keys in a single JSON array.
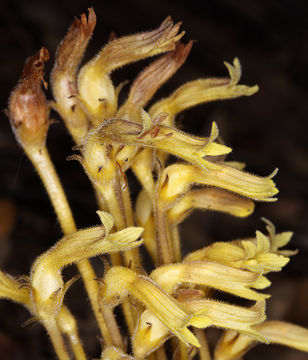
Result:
[
  {"x": 187, "y": 337},
  {"x": 106, "y": 219}
]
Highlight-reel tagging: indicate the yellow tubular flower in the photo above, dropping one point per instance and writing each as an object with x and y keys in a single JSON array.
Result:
[
  {"x": 256, "y": 254},
  {"x": 119, "y": 282},
  {"x": 202, "y": 91},
  {"x": 47, "y": 286},
  {"x": 217, "y": 276},
  {"x": 209, "y": 199},
  {"x": 192, "y": 149},
  {"x": 176, "y": 180},
  {"x": 94, "y": 83},
  {"x": 64, "y": 79},
  {"x": 151, "y": 333},
  {"x": 234, "y": 345}
]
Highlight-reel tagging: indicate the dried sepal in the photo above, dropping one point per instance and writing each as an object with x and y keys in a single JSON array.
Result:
[
  {"x": 28, "y": 109},
  {"x": 119, "y": 282},
  {"x": 95, "y": 86},
  {"x": 214, "y": 275},
  {"x": 63, "y": 76},
  {"x": 202, "y": 91},
  {"x": 209, "y": 199},
  {"x": 234, "y": 345}
]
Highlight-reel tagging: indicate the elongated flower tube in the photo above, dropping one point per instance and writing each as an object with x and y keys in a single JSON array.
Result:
[
  {"x": 151, "y": 333},
  {"x": 202, "y": 91},
  {"x": 209, "y": 199},
  {"x": 94, "y": 83},
  {"x": 234, "y": 345},
  {"x": 47, "y": 285},
  {"x": 176, "y": 180},
  {"x": 64, "y": 76},
  {"x": 119, "y": 282},
  {"x": 217, "y": 276}
]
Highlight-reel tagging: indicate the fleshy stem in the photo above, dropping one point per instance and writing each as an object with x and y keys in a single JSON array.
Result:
[
  {"x": 40, "y": 158},
  {"x": 118, "y": 203},
  {"x": 164, "y": 245},
  {"x": 67, "y": 325},
  {"x": 204, "y": 352},
  {"x": 56, "y": 339}
]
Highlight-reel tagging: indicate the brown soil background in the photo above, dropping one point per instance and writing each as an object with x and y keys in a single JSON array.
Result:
[{"x": 266, "y": 131}]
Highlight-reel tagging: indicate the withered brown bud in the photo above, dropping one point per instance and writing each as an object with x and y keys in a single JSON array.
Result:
[
  {"x": 28, "y": 110},
  {"x": 71, "y": 49}
]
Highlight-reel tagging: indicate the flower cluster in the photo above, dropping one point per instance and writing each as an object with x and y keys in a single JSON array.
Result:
[{"x": 176, "y": 299}]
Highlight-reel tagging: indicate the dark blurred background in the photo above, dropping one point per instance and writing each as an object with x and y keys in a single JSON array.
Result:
[{"x": 266, "y": 130}]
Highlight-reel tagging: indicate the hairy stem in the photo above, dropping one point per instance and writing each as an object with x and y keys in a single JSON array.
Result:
[{"x": 56, "y": 339}]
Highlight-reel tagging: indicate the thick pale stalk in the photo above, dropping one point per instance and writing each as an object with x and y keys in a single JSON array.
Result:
[
  {"x": 56, "y": 339},
  {"x": 204, "y": 352}
]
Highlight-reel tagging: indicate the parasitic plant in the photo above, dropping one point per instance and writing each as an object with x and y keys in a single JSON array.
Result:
[{"x": 175, "y": 300}]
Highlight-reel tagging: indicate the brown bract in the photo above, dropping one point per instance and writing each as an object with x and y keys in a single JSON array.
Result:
[{"x": 27, "y": 104}]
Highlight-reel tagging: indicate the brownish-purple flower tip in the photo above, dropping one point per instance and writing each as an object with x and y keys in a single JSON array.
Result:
[
  {"x": 72, "y": 47},
  {"x": 27, "y": 104}
]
